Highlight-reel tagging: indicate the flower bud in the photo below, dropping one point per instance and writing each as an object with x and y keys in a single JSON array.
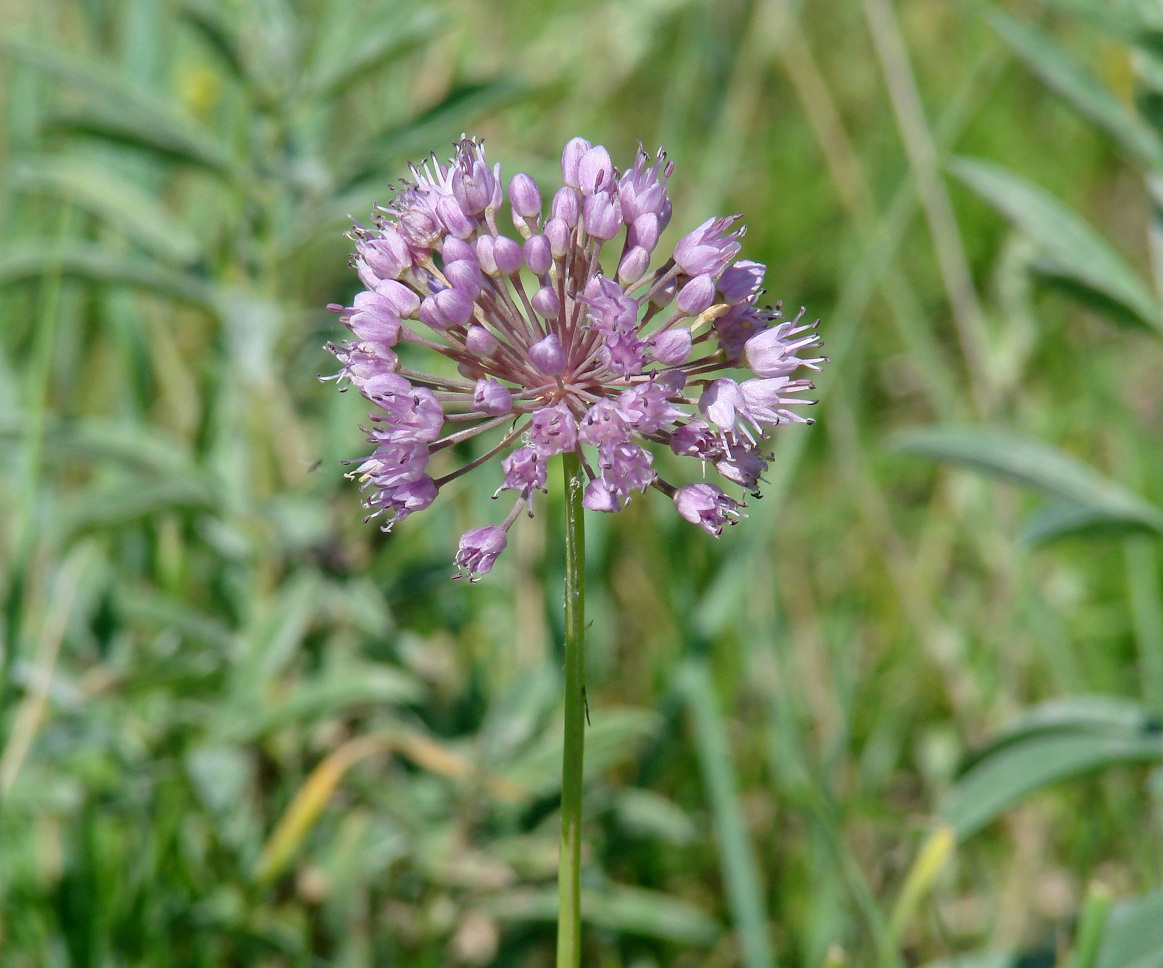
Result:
[
  {"x": 633, "y": 266},
  {"x": 603, "y": 216},
  {"x": 571, "y": 157},
  {"x": 538, "y": 255},
  {"x": 524, "y": 196},
  {"x": 548, "y": 355},
  {"x": 595, "y": 171},
  {"x": 443, "y": 310},
  {"x": 491, "y": 397},
  {"x": 480, "y": 342},
  {"x": 454, "y": 217},
  {"x": 464, "y": 275},
  {"x": 508, "y": 255},
  {"x": 402, "y": 299},
  {"x": 696, "y": 296},
  {"x": 566, "y": 206},
  {"x": 673, "y": 347},
  {"x": 546, "y": 303},
  {"x": 560, "y": 237}
]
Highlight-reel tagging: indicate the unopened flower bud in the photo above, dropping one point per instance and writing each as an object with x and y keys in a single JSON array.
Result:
[
  {"x": 696, "y": 296},
  {"x": 524, "y": 196},
  {"x": 603, "y": 216},
  {"x": 402, "y": 299},
  {"x": 566, "y": 206},
  {"x": 571, "y": 157},
  {"x": 595, "y": 171},
  {"x": 673, "y": 347},
  {"x": 560, "y": 235},
  {"x": 548, "y": 356},
  {"x": 633, "y": 265},
  {"x": 454, "y": 217},
  {"x": 538, "y": 255},
  {"x": 508, "y": 255},
  {"x": 546, "y": 303},
  {"x": 480, "y": 342}
]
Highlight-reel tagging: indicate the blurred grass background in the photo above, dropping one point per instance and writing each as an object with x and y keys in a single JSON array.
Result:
[{"x": 238, "y": 727}]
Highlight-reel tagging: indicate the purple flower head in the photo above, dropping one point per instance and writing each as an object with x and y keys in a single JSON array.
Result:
[{"x": 536, "y": 352}]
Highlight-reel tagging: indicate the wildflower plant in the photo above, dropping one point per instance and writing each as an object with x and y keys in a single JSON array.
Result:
[{"x": 563, "y": 341}]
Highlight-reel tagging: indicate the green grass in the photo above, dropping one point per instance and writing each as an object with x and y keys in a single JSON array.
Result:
[{"x": 240, "y": 728}]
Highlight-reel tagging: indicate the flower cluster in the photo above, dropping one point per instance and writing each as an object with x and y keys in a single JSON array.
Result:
[{"x": 545, "y": 348}]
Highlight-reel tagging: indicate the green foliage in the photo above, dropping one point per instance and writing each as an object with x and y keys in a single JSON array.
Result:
[{"x": 239, "y": 727}]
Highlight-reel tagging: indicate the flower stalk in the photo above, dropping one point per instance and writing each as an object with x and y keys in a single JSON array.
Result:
[{"x": 569, "y": 862}]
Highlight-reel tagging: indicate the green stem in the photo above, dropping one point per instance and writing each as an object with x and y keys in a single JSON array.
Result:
[{"x": 569, "y": 864}]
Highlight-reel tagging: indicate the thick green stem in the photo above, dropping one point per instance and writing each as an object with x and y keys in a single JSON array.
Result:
[{"x": 569, "y": 864}]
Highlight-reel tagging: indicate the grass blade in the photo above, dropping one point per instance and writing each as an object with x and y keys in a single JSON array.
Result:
[
  {"x": 27, "y": 261},
  {"x": 115, "y": 200},
  {"x": 1134, "y": 934},
  {"x": 628, "y": 910},
  {"x": 740, "y": 873},
  {"x": 1018, "y": 769},
  {"x": 1037, "y": 465},
  {"x": 1094, "y": 101},
  {"x": 1076, "y": 252}
]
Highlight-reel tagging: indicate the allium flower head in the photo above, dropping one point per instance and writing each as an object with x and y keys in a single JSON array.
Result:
[{"x": 562, "y": 339}]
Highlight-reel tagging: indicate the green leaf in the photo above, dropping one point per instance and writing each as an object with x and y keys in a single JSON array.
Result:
[
  {"x": 85, "y": 260},
  {"x": 1000, "y": 780},
  {"x": 991, "y": 959},
  {"x": 113, "y": 505},
  {"x": 171, "y": 141},
  {"x": 211, "y": 26},
  {"x": 740, "y": 871},
  {"x": 649, "y": 814},
  {"x": 1134, "y": 934},
  {"x": 343, "y": 689},
  {"x": 629, "y": 910},
  {"x": 136, "y": 605},
  {"x": 115, "y": 200},
  {"x": 1074, "y": 251},
  {"x": 128, "y": 446},
  {"x": 1121, "y": 20},
  {"x": 353, "y": 49},
  {"x": 1095, "y": 102},
  {"x": 416, "y": 136},
  {"x": 120, "y": 111},
  {"x": 614, "y": 738},
  {"x": 1037, "y": 465},
  {"x": 1110, "y": 714},
  {"x": 1064, "y": 518}
]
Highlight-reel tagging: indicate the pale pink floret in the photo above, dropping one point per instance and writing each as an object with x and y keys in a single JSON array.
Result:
[{"x": 479, "y": 548}]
